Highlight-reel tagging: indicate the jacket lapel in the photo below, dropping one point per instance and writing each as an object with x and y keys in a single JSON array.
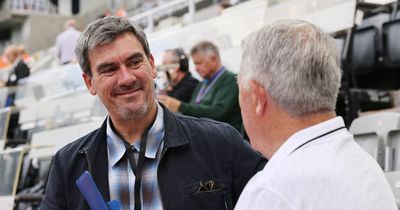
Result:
[
  {"x": 97, "y": 158},
  {"x": 174, "y": 136}
]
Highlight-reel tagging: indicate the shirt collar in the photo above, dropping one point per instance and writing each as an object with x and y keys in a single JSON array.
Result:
[
  {"x": 155, "y": 136},
  {"x": 308, "y": 134},
  {"x": 218, "y": 72}
]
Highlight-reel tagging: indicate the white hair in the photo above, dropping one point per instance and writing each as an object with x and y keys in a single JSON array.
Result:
[{"x": 297, "y": 63}]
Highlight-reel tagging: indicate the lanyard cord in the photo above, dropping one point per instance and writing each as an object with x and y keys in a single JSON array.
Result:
[
  {"x": 205, "y": 88},
  {"x": 137, "y": 169},
  {"x": 322, "y": 135}
]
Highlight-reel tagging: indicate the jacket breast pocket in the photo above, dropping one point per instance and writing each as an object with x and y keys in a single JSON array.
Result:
[{"x": 206, "y": 194}]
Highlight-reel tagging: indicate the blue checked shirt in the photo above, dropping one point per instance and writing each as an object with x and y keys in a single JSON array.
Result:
[{"x": 121, "y": 179}]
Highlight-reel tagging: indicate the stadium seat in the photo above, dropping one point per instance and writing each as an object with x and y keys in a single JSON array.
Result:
[
  {"x": 364, "y": 55},
  {"x": 373, "y": 145},
  {"x": 391, "y": 44},
  {"x": 372, "y": 133},
  {"x": 392, "y": 152},
  {"x": 393, "y": 180}
]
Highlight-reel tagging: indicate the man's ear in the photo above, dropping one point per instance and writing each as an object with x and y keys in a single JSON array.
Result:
[
  {"x": 153, "y": 66},
  {"x": 88, "y": 82},
  {"x": 260, "y": 95},
  {"x": 214, "y": 59}
]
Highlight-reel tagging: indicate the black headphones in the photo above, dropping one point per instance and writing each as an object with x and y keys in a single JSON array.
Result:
[{"x": 183, "y": 59}]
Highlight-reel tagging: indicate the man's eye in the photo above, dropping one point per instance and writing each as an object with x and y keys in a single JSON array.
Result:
[
  {"x": 134, "y": 63},
  {"x": 108, "y": 70}
]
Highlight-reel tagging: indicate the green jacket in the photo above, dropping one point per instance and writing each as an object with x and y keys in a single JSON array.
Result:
[{"x": 221, "y": 103}]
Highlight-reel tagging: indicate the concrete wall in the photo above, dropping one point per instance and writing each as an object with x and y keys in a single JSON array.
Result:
[
  {"x": 40, "y": 31},
  {"x": 92, "y": 6}
]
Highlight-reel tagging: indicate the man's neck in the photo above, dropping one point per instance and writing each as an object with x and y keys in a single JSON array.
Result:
[
  {"x": 283, "y": 128},
  {"x": 214, "y": 72},
  {"x": 132, "y": 130}
]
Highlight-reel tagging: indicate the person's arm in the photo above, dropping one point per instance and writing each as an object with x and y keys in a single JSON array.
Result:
[
  {"x": 55, "y": 197},
  {"x": 224, "y": 101},
  {"x": 246, "y": 163}
]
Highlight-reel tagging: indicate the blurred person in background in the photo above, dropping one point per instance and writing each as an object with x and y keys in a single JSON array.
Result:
[
  {"x": 289, "y": 81},
  {"x": 223, "y": 4},
  {"x": 66, "y": 42},
  {"x": 216, "y": 97},
  {"x": 19, "y": 69},
  {"x": 121, "y": 12},
  {"x": 3, "y": 62},
  {"x": 176, "y": 63},
  {"x": 25, "y": 55}
]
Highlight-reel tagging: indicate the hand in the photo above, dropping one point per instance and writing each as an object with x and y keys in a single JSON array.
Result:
[{"x": 172, "y": 104}]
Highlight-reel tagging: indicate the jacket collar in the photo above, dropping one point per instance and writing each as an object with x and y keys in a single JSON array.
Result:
[
  {"x": 174, "y": 135},
  {"x": 96, "y": 149},
  {"x": 96, "y": 155}
]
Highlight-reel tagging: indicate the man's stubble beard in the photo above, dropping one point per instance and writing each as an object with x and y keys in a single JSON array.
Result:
[{"x": 128, "y": 114}]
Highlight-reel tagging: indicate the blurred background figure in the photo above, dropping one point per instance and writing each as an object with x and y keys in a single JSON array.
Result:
[
  {"x": 175, "y": 63},
  {"x": 3, "y": 62},
  {"x": 19, "y": 68},
  {"x": 25, "y": 55},
  {"x": 121, "y": 12},
  {"x": 216, "y": 97},
  {"x": 106, "y": 13},
  {"x": 223, "y": 4},
  {"x": 66, "y": 42}
]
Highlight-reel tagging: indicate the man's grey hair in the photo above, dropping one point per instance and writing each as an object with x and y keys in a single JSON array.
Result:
[
  {"x": 297, "y": 63},
  {"x": 205, "y": 48},
  {"x": 105, "y": 31}
]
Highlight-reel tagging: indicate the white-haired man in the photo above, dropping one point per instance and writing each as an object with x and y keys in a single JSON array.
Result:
[
  {"x": 66, "y": 42},
  {"x": 289, "y": 81}
]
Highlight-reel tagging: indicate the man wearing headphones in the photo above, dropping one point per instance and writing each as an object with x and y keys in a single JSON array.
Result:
[
  {"x": 182, "y": 84},
  {"x": 216, "y": 97}
]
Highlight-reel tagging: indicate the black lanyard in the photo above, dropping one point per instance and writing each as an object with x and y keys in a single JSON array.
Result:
[
  {"x": 137, "y": 168},
  {"x": 322, "y": 135}
]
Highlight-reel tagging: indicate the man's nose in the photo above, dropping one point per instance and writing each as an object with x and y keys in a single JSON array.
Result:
[{"x": 125, "y": 75}]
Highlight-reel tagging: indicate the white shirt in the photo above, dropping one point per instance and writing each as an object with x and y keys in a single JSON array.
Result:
[
  {"x": 330, "y": 172},
  {"x": 66, "y": 43}
]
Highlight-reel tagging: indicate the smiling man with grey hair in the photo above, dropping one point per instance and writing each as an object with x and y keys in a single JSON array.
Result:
[
  {"x": 143, "y": 155},
  {"x": 288, "y": 82}
]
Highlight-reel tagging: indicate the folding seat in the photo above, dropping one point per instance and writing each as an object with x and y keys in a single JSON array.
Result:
[
  {"x": 366, "y": 70},
  {"x": 391, "y": 44},
  {"x": 364, "y": 51},
  {"x": 392, "y": 151},
  {"x": 393, "y": 179},
  {"x": 372, "y": 133}
]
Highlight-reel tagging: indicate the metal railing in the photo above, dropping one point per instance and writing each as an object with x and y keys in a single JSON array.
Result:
[
  {"x": 31, "y": 6},
  {"x": 164, "y": 10}
]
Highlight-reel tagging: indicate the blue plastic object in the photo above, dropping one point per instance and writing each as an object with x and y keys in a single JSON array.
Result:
[{"x": 92, "y": 194}]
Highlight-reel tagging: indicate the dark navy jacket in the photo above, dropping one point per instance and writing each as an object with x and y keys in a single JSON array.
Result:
[{"x": 194, "y": 150}]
